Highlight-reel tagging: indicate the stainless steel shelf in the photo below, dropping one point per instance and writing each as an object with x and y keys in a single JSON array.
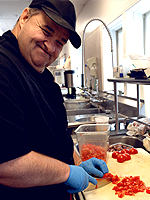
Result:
[
  {"x": 127, "y": 80},
  {"x": 130, "y": 80}
]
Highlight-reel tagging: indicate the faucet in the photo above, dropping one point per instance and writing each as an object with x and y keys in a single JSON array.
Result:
[{"x": 83, "y": 39}]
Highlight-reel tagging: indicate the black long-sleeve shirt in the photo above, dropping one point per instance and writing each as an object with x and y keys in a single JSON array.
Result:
[{"x": 32, "y": 118}]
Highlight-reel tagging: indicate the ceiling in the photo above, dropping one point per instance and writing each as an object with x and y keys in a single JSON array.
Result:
[{"x": 10, "y": 10}]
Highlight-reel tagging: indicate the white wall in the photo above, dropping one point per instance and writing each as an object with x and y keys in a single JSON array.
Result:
[
  {"x": 1, "y": 32},
  {"x": 98, "y": 8},
  {"x": 107, "y": 10}
]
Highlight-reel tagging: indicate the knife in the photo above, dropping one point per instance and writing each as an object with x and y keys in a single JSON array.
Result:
[{"x": 100, "y": 183}]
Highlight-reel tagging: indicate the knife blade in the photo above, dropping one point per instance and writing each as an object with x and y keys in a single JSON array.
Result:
[{"x": 100, "y": 183}]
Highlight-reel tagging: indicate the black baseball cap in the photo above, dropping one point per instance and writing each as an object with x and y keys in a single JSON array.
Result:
[{"x": 61, "y": 12}]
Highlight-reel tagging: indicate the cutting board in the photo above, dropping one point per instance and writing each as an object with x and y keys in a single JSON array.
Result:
[{"x": 139, "y": 165}]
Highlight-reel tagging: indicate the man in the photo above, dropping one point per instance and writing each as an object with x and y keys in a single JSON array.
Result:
[{"x": 36, "y": 152}]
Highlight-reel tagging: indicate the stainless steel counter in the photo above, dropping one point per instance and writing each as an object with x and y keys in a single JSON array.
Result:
[{"x": 77, "y": 120}]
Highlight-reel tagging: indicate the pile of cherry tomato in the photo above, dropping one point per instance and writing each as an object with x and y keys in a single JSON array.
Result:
[
  {"x": 129, "y": 185},
  {"x": 124, "y": 155}
]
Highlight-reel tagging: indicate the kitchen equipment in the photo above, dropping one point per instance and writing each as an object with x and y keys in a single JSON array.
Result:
[
  {"x": 71, "y": 104},
  {"x": 137, "y": 166},
  {"x": 93, "y": 141},
  {"x": 59, "y": 76},
  {"x": 102, "y": 120},
  {"x": 137, "y": 74},
  {"x": 69, "y": 83}
]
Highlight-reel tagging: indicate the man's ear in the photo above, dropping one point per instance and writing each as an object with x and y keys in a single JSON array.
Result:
[{"x": 24, "y": 17}]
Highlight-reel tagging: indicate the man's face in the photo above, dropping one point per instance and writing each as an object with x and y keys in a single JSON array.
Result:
[{"x": 40, "y": 40}]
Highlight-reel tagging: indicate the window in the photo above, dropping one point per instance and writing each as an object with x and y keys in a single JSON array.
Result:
[
  {"x": 146, "y": 21},
  {"x": 117, "y": 35},
  {"x": 137, "y": 41},
  {"x": 119, "y": 47}
]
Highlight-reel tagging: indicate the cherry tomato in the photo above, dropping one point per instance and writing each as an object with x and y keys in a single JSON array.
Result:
[
  {"x": 148, "y": 190},
  {"x": 121, "y": 158},
  {"x": 133, "y": 151},
  {"x": 115, "y": 154},
  {"x": 124, "y": 151},
  {"x": 127, "y": 156}
]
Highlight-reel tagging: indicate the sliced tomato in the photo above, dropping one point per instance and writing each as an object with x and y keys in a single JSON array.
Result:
[
  {"x": 148, "y": 190},
  {"x": 130, "y": 186},
  {"x": 90, "y": 151},
  {"x": 121, "y": 194},
  {"x": 108, "y": 175},
  {"x": 120, "y": 158},
  {"x": 115, "y": 179}
]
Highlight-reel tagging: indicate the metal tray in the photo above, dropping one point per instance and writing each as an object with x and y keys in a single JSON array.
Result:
[{"x": 119, "y": 144}]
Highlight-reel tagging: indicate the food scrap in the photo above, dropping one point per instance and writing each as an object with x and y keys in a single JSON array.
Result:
[{"x": 118, "y": 147}]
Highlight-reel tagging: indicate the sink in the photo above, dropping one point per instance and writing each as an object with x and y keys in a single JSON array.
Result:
[
  {"x": 76, "y": 103},
  {"x": 130, "y": 140},
  {"x": 74, "y": 118},
  {"x": 83, "y": 111},
  {"x": 91, "y": 119},
  {"x": 74, "y": 114}
]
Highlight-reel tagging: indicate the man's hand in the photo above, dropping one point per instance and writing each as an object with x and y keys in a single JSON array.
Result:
[
  {"x": 78, "y": 179},
  {"x": 95, "y": 167}
]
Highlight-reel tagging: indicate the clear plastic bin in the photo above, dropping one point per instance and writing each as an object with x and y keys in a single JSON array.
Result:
[{"x": 93, "y": 141}]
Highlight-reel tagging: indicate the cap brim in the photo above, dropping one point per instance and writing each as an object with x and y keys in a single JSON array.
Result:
[{"x": 74, "y": 37}]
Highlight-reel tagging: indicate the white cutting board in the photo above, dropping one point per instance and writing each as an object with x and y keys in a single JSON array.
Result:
[{"x": 139, "y": 165}]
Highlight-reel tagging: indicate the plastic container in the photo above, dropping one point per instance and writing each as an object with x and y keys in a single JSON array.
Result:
[
  {"x": 93, "y": 141},
  {"x": 102, "y": 120}
]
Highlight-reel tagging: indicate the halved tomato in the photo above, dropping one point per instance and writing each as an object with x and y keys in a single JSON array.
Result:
[
  {"x": 108, "y": 175},
  {"x": 148, "y": 190},
  {"x": 115, "y": 179}
]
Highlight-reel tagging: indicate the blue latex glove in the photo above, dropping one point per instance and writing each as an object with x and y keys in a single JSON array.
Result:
[
  {"x": 95, "y": 167},
  {"x": 78, "y": 179}
]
